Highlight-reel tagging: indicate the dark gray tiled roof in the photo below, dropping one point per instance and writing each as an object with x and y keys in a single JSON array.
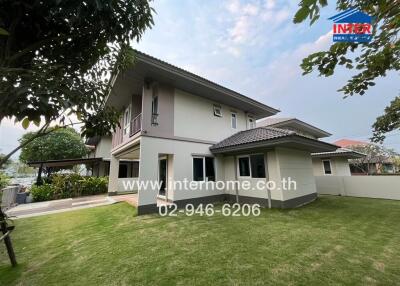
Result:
[
  {"x": 340, "y": 152},
  {"x": 252, "y": 135}
]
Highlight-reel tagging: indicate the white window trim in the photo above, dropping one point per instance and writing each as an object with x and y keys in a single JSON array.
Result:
[
  {"x": 251, "y": 123},
  {"x": 236, "y": 121},
  {"x": 204, "y": 167},
  {"x": 215, "y": 108},
  {"x": 238, "y": 168},
  {"x": 323, "y": 167},
  {"x": 251, "y": 171},
  {"x": 127, "y": 125}
]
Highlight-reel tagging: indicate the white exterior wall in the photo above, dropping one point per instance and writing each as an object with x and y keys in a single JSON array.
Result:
[
  {"x": 180, "y": 167},
  {"x": 230, "y": 168},
  {"x": 123, "y": 182},
  {"x": 194, "y": 118},
  {"x": 103, "y": 148},
  {"x": 340, "y": 167},
  {"x": 298, "y": 166},
  {"x": 384, "y": 187}
]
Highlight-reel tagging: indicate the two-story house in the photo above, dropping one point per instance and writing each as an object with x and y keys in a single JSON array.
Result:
[{"x": 180, "y": 126}]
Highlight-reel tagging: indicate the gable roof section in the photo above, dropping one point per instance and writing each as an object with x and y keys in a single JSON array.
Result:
[
  {"x": 294, "y": 123},
  {"x": 268, "y": 137},
  {"x": 148, "y": 68}
]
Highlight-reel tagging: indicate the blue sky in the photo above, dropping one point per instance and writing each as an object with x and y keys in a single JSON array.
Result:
[{"x": 254, "y": 48}]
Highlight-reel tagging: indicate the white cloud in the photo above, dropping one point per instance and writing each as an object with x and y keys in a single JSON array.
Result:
[
  {"x": 270, "y": 4},
  {"x": 251, "y": 22},
  {"x": 233, "y": 6},
  {"x": 250, "y": 9},
  {"x": 241, "y": 31}
]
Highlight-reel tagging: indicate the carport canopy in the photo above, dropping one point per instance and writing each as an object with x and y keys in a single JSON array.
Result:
[{"x": 64, "y": 162}]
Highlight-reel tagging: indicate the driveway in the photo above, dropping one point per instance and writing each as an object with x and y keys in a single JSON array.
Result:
[{"x": 56, "y": 206}]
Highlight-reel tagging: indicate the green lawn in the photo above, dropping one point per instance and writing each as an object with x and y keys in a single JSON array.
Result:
[{"x": 334, "y": 240}]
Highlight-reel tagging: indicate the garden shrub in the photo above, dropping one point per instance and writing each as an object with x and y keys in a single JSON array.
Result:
[
  {"x": 70, "y": 186},
  {"x": 42, "y": 193}
]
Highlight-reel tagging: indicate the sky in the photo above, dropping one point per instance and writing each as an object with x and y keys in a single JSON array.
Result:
[{"x": 254, "y": 48}]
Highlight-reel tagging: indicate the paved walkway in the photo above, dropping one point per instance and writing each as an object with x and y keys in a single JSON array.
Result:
[
  {"x": 133, "y": 200},
  {"x": 56, "y": 206}
]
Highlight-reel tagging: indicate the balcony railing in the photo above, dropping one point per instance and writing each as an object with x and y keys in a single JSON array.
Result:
[{"x": 136, "y": 125}]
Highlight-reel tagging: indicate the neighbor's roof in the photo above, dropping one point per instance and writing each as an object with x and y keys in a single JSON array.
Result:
[
  {"x": 148, "y": 68},
  {"x": 295, "y": 123},
  {"x": 265, "y": 137},
  {"x": 347, "y": 142},
  {"x": 341, "y": 152}
]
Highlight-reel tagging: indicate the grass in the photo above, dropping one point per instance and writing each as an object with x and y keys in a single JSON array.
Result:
[{"x": 334, "y": 240}]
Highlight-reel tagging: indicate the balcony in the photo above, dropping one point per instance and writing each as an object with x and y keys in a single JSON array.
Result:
[{"x": 135, "y": 125}]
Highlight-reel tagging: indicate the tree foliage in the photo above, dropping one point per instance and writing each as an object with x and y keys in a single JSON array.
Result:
[
  {"x": 63, "y": 143},
  {"x": 56, "y": 58},
  {"x": 375, "y": 154},
  {"x": 370, "y": 60},
  {"x": 387, "y": 122}
]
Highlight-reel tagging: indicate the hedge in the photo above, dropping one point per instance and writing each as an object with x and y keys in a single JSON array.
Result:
[{"x": 69, "y": 186}]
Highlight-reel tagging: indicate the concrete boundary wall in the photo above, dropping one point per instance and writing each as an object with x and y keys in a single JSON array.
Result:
[{"x": 382, "y": 187}]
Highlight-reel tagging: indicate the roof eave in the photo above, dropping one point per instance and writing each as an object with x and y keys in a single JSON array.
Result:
[
  {"x": 202, "y": 81},
  {"x": 302, "y": 143},
  {"x": 347, "y": 155},
  {"x": 312, "y": 129}
]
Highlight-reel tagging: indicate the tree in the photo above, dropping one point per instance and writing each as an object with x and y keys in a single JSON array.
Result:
[
  {"x": 375, "y": 155},
  {"x": 371, "y": 60},
  {"x": 60, "y": 144},
  {"x": 387, "y": 122},
  {"x": 56, "y": 59}
]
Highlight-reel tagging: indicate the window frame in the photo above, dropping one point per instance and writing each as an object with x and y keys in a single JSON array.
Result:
[
  {"x": 154, "y": 110},
  {"x": 127, "y": 125},
  {"x": 234, "y": 115},
  {"x": 330, "y": 166},
  {"x": 217, "y": 110},
  {"x": 238, "y": 166},
  {"x": 251, "y": 122},
  {"x": 204, "y": 167},
  {"x": 250, "y": 168}
]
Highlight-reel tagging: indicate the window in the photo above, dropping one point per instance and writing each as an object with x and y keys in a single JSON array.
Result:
[
  {"x": 252, "y": 123},
  {"x": 198, "y": 169},
  {"x": 210, "y": 171},
  {"x": 203, "y": 167},
  {"x": 217, "y": 111},
  {"x": 252, "y": 166},
  {"x": 233, "y": 120},
  {"x": 127, "y": 120},
  {"x": 244, "y": 167},
  {"x": 154, "y": 110},
  {"x": 257, "y": 166},
  {"x": 327, "y": 167}
]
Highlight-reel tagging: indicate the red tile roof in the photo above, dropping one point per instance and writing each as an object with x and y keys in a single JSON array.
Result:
[{"x": 344, "y": 143}]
